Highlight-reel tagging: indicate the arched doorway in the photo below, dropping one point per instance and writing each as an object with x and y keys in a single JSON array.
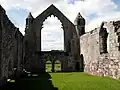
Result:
[
  {"x": 48, "y": 66},
  {"x": 57, "y": 65},
  {"x": 48, "y": 63}
]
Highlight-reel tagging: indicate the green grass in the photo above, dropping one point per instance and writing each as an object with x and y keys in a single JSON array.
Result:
[
  {"x": 65, "y": 81},
  {"x": 82, "y": 81}
]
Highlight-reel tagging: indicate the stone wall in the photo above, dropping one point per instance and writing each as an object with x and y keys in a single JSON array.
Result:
[
  {"x": 89, "y": 46},
  {"x": 7, "y": 46},
  {"x": 10, "y": 46},
  {"x": 0, "y": 49},
  {"x": 103, "y": 64},
  {"x": 19, "y": 49}
]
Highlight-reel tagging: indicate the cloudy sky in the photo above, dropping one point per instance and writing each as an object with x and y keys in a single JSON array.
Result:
[{"x": 94, "y": 11}]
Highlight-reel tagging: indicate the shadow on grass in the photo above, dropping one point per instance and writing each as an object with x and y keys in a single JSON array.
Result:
[{"x": 41, "y": 82}]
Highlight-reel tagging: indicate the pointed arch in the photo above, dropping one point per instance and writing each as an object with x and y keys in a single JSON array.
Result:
[
  {"x": 67, "y": 25},
  {"x": 48, "y": 66},
  {"x": 57, "y": 66}
]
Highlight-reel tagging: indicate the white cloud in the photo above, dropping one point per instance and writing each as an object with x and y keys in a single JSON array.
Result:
[
  {"x": 99, "y": 7},
  {"x": 104, "y": 10}
]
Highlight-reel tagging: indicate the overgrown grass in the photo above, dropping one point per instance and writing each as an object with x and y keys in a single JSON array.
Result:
[{"x": 65, "y": 81}]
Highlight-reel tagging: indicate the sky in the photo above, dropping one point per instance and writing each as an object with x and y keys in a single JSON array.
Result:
[{"x": 94, "y": 12}]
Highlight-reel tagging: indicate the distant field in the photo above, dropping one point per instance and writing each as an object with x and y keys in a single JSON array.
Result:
[{"x": 65, "y": 81}]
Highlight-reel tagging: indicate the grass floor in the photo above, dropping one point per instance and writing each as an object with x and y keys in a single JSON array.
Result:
[{"x": 64, "y": 81}]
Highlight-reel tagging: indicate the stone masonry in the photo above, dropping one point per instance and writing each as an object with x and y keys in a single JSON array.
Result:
[
  {"x": 108, "y": 62},
  {"x": 10, "y": 47}
]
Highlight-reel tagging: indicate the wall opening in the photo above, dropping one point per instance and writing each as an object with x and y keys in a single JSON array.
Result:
[
  {"x": 108, "y": 43},
  {"x": 57, "y": 66},
  {"x": 108, "y": 37},
  {"x": 119, "y": 43},
  {"x": 48, "y": 66},
  {"x": 48, "y": 63},
  {"x": 77, "y": 66},
  {"x": 52, "y": 36},
  {"x": 103, "y": 39},
  {"x": 82, "y": 63}
]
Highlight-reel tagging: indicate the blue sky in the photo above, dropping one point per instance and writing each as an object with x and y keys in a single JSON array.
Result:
[
  {"x": 117, "y": 2},
  {"x": 94, "y": 11},
  {"x": 18, "y": 16}
]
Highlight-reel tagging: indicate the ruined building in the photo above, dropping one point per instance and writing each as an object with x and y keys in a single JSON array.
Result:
[
  {"x": 100, "y": 49},
  {"x": 32, "y": 42},
  {"x": 95, "y": 52}
]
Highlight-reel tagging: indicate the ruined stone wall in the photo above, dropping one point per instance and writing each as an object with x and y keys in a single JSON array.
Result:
[
  {"x": 105, "y": 64},
  {"x": 0, "y": 51},
  {"x": 29, "y": 46},
  {"x": 10, "y": 46},
  {"x": 114, "y": 51},
  {"x": 19, "y": 50},
  {"x": 89, "y": 44},
  {"x": 8, "y": 49}
]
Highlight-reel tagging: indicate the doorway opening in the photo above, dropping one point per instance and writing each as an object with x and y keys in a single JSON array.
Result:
[
  {"x": 48, "y": 65},
  {"x": 77, "y": 66},
  {"x": 82, "y": 63},
  {"x": 57, "y": 66}
]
